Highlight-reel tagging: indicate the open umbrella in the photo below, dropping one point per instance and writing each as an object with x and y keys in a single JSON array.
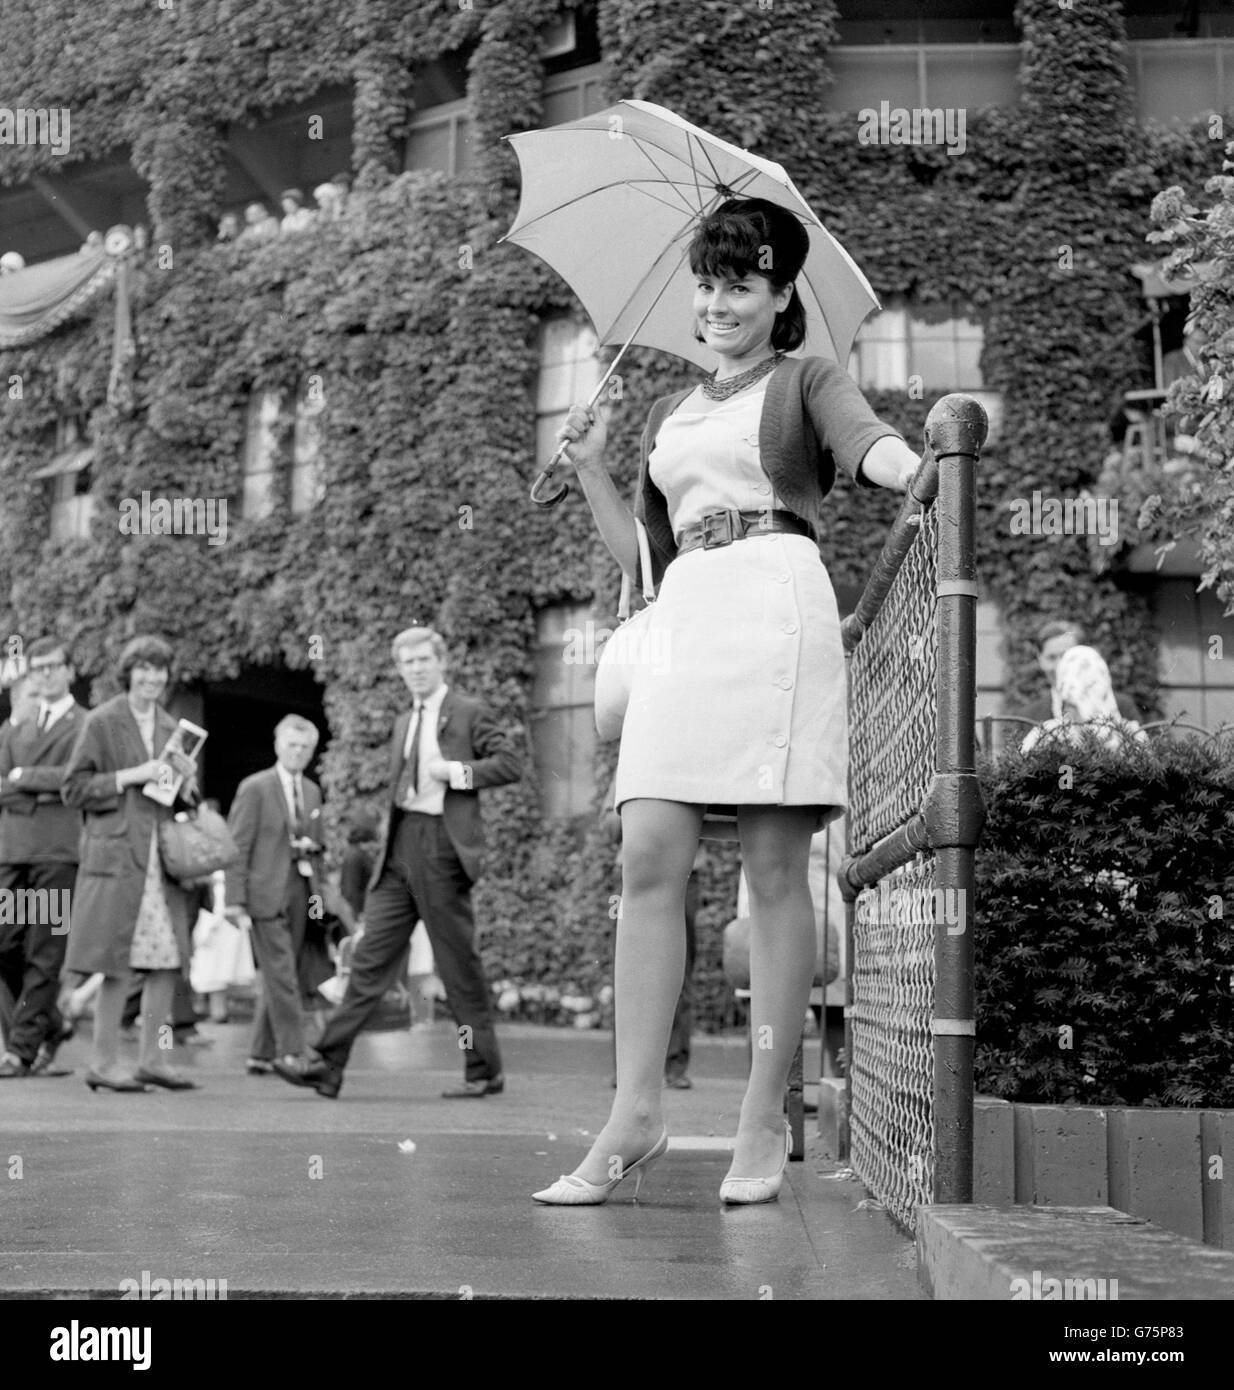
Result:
[{"x": 611, "y": 201}]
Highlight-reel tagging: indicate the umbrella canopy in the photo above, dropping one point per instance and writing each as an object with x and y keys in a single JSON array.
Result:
[{"x": 610, "y": 202}]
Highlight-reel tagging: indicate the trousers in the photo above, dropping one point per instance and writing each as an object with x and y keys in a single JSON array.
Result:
[{"x": 422, "y": 880}]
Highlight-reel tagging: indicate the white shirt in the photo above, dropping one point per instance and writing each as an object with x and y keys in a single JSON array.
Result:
[
  {"x": 56, "y": 710},
  {"x": 431, "y": 796},
  {"x": 287, "y": 781}
]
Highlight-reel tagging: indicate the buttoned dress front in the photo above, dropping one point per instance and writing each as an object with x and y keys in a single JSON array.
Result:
[{"x": 741, "y": 697}]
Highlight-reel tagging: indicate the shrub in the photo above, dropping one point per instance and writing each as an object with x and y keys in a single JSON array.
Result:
[{"x": 1104, "y": 945}]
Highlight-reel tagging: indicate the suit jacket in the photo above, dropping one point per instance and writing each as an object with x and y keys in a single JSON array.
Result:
[
  {"x": 260, "y": 824},
  {"x": 468, "y": 733},
  {"x": 36, "y": 827},
  {"x": 1042, "y": 709},
  {"x": 115, "y": 840}
]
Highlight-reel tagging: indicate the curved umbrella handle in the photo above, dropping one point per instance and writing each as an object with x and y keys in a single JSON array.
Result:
[{"x": 537, "y": 493}]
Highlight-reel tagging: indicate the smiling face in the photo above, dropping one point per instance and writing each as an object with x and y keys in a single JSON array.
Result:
[
  {"x": 148, "y": 682},
  {"x": 736, "y": 313}
]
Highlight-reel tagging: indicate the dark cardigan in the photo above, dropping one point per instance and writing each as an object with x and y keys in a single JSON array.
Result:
[{"x": 814, "y": 418}]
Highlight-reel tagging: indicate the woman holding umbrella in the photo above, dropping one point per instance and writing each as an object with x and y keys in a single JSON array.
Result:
[{"x": 746, "y": 716}]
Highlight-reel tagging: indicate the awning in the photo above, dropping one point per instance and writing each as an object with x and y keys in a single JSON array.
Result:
[{"x": 71, "y": 461}]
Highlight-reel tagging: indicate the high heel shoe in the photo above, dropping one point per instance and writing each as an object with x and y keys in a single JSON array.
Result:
[
  {"x": 163, "y": 1079},
  {"x": 97, "y": 1082},
  {"x": 747, "y": 1191},
  {"x": 572, "y": 1191}
]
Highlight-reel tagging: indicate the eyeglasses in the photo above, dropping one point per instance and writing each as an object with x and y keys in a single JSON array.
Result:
[{"x": 45, "y": 666}]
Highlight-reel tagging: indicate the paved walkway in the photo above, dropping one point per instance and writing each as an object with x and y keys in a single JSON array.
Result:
[{"x": 287, "y": 1195}]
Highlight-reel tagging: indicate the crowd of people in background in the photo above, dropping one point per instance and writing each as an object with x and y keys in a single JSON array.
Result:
[{"x": 90, "y": 915}]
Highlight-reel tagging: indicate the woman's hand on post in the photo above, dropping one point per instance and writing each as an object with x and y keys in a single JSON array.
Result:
[{"x": 584, "y": 434}]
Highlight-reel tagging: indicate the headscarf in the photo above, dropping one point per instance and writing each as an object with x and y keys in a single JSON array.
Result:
[{"x": 1083, "y": 682}]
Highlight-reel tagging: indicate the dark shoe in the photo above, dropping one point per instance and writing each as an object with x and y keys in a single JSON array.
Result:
[
  {"x": 258, "y": 1066},
  {"x": 679, "y": 1081},
  {"x": 96, "y": 1082},
  {"x": 12, "y": 1067},
  {"x": 318, "y": 1075},
  {"x": 477, "y": 1090},
  {"x": 164, "y": 1079},
  {"x": 46, "y": 1055}
]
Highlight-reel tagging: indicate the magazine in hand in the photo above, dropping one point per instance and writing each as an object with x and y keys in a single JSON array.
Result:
[{"x": 187, "y": 739}]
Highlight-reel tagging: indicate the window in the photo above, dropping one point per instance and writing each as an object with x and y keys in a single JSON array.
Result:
[
  {"x": 569, "y": 371},
  {"x": 1196, "y": 655},
  {"x": 933, "y": 350},
  {"x": 260, "y": 455},
  {"x": 69, "y": 478},
  {"x": 440, "y": 138},
  {"x": 1177, "y": 79},
  {"x": 570, "y": 95},
  {"x": 923, "y": 75},
  {"x": 563, "y": 730},
  {"x": 307, "y": 482}
]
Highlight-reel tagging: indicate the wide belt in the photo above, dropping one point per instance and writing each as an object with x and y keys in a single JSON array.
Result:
[{"x": 724, "y": 527}]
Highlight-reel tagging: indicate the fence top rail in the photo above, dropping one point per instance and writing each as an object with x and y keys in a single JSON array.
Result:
[{"x": 956, "y": 425}]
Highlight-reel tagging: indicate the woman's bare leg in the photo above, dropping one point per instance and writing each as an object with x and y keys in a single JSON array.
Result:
[
  {"x": 108, "y": 1011},
  {"x": 156, "y": 996},
  {"x": 659, "y": 841},
  {"x": 775, "y": 847}
]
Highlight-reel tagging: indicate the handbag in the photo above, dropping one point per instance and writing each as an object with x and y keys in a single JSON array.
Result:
[
  {"x": 194, "y": 844},
  {"x": 222, "y": 955},
  {"x": 627, "y": 649}
]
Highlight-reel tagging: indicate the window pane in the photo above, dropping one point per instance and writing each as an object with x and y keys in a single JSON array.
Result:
[
  {"x": 464, "y": 146},
  {"x": 865, "y": 77},
  {"x": 971, "y": 76},
  {"x": 562, "y": 105},
  {"x": 428, "y": 147},
  {"x": 258, "y": 500},
  {"x": 1176, "y": 80}
]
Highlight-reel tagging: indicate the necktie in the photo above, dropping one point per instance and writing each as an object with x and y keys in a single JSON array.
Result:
[
  {"x": 297, "y": 801},
  {"x": 44, "y": 716},
  {"x": 413, "y": 758}
]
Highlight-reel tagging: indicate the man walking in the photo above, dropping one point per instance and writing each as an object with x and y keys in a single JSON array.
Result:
[
  {"x": 445, "y": 749},
  {"x": 275, "y": 821},
  {"x": 38, "y": 862}
]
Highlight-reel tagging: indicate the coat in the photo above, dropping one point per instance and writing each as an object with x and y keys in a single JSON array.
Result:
[
  {"x": 36, "y": 827},
  {"x": 467, "y": 733},
  {"x": 260, "y": 824},
  {"x": 115, "y": 841}
]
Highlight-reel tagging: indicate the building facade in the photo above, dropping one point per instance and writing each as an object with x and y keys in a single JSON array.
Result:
[{"x": 370, "y": 387}]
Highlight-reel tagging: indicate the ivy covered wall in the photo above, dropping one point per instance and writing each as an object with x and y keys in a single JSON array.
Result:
[{"x": 420, "y": 331}]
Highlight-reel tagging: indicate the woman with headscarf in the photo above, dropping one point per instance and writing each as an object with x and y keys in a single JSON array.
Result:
[{"x": 1089, "y": 705}]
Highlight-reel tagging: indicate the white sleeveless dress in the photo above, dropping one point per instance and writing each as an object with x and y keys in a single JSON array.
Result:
[{"x": 743, "y": 700}]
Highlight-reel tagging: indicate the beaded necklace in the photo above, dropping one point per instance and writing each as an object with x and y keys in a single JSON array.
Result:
[{"x": 722, "y": 390}]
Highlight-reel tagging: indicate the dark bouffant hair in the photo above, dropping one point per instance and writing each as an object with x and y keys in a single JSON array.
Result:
[
  {"x": 750, "y": 236},
  {"x": 152, "y": 650}
]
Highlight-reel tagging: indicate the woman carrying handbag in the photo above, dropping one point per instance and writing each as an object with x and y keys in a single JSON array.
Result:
[
  {"x": 740, "y": 715},
  {"x": 127, "y": 914}
]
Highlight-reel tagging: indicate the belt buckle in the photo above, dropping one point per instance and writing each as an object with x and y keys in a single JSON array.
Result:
[{"x": 710, "y": 541}]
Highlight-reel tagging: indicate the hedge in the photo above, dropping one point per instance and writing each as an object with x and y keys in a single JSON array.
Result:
[{"x": 1104, "y": 934}]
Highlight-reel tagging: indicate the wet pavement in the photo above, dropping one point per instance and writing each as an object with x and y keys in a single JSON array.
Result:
[{"x": 393, "y": 1192}]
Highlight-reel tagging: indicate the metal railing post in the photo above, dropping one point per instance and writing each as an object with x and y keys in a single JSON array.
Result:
[{"x": 954, "y": 811}]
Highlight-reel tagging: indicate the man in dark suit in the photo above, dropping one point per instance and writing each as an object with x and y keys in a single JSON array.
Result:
[
  {"x": 445, "y": 749},
  {"x": 38, "y": 855},
  {"x": 275, "y": 821},
  {"x": 1053, "y": 639}
]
